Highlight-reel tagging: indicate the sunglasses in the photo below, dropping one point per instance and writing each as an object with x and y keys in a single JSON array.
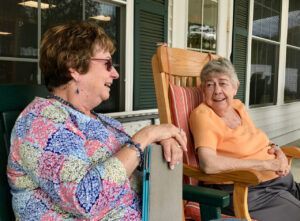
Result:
[{"x": 108, "y": 62}]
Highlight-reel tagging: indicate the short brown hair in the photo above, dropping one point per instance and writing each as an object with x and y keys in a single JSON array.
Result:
[{"x": 70, "y": 45}]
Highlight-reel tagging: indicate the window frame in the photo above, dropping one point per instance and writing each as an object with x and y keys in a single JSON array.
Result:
[
  {"x": 289, "y": 46},
  {"x": 126, "y": 51},
  {"x": 202, "y": 18},
  {"x": 282, "y": 56}
]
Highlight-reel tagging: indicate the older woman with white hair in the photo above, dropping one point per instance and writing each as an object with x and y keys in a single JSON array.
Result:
[{"x": 227, "y": 139}]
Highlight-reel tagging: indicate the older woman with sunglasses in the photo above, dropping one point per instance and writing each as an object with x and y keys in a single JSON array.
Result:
[
  {"x": 68, "y": 162},
  {"x": 227, "y": 139}
]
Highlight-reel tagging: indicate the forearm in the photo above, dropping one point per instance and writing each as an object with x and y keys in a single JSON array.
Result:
[
  {"x": 213, "y": 163},
  {"x": 128, "y": 156},
  {"x": 220, "y": 163}
]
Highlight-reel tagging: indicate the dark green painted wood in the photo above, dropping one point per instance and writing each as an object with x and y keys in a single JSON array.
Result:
[
  {"x": 6, "y": 213},
  {"x": 150, "y": 23},
  {"x": 240, "y": 42},
  {"x": 207, "y": 196},
  {"x": 211, "y": 201},
  {"x": 209, "y": 212},
  {"x": 13, "y": 99},
  {"x": 17, "y": 96}
]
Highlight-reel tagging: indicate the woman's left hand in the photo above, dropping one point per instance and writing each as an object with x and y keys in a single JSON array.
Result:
[
  {"x": 285, "y": 167},
  {"x": 173, "y": 152}
]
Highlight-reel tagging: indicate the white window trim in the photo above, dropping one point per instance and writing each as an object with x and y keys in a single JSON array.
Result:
[
  {"x": 224, "y": 27},
  {"x": 137, "y": 112},
  {"x": 129, "y": 56},
  {"x": 249, "y": 51},
  {"x": 179, "y": 23},
  {"x": 120, "y": 1},
  {"x": 282, "y": 54}
]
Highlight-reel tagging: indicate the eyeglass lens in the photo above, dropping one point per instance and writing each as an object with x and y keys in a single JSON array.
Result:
[{"x": 108, "y": 64}]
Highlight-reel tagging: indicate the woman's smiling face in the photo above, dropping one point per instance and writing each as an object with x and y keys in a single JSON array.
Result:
[
  {"x": 95, "y": 84},
  {"x": 219, "y": 92}
]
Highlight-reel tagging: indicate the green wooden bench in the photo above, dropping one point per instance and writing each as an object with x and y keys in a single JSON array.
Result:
[{"x": 13, "y": 99}]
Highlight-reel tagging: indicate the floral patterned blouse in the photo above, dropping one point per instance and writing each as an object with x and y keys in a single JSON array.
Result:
[{"x": 62, "y": 166}]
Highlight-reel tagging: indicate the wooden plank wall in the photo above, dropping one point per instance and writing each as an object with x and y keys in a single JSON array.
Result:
[{"x": 281, "y": 123}]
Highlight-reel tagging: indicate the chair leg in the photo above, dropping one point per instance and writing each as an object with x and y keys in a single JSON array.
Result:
[
  {"x": 209, "y": 212},
  {"x": 240, "y": 201},
  {"x": 183, "y": 216}
]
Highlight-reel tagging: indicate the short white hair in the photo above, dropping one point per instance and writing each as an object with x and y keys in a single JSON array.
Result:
[{"x": 219, "y": 66}]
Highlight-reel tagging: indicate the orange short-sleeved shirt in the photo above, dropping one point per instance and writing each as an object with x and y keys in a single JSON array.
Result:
[{"x": 243, "y": 142}]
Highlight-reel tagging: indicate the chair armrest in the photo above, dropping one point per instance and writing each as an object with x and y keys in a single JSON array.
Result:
[
  {"x": 207, "y": 196},
  {"x": 291, "y": 151},
  {"x": 250, "y": 177}
]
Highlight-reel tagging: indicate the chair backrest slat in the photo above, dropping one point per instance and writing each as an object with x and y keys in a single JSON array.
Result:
[
  {"x": 182, "y": 62},
  {"x": 178, "y": 81},
  {"x": 180, "y": 67}
]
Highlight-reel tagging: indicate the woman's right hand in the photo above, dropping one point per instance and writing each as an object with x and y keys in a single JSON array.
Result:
[
  {"x": 157, "y": 133},
  {"x": 152, "y": 134},
  {"x": 173, "y": 152}
]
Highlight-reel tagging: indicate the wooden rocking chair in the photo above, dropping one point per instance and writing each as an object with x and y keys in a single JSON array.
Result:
[{"x": 176, "y": 75}]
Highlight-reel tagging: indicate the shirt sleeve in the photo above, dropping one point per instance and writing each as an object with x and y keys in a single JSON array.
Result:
[
  {"x": 205, "y": 131},
  {"x": 52, "y": 155}
]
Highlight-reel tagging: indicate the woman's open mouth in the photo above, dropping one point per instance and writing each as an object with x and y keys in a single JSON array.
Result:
[{"x": 219, "y": 99}]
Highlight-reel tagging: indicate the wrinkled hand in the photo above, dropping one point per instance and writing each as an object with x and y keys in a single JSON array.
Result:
[
  {"x": 157, "y": 133},
  {"x": 173, "y": 152},
  {"x": 283, "y": 167},
  {"x": 172, "y": 139},
  {"x": 166, "y": 131}
]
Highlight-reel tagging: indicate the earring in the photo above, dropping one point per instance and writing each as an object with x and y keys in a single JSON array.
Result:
[{"x": 77, "y": 91}]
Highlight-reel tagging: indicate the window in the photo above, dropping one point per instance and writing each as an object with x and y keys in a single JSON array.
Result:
[
  {"x": 202, "y": 25},
  {"x": 292, "y": 70},
  {"x": 23, "y": 24},
  {"x": 265, "y": 52},
  {"x": 18, "y": 41},
  {"x": 18, "y": 30}
]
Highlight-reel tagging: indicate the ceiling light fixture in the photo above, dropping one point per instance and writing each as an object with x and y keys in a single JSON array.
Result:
[
  {"x": 34, "y": 4},
  {"x": 101, "y": 18},
  {"x": 5, "y": 33}
]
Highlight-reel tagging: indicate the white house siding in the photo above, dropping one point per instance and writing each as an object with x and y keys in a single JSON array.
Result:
[{"x": 281, "y": 123}]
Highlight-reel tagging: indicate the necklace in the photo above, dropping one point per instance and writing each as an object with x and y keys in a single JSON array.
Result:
[
  {"x": 67, "y": 103},
  {"x": 130, "y": 142},
  {"x": 63, "y": 101}
]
